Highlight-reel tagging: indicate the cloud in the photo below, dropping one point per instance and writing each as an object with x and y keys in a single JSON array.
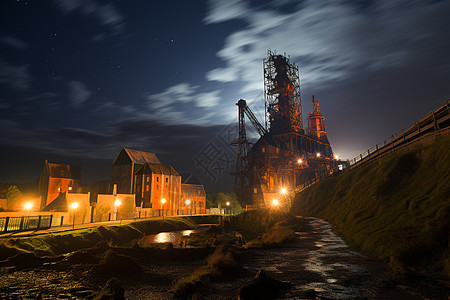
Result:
[
  {"x": 18, "y": 77},
  {"x": 221, "y": 11},
  {"x": 331, "y": 40},
  {"x": 108, "y": 15},
  {"x": 78, "y": 93},
  {"x": 172, "y": 104},
  {"x": 14, "y": 42}
]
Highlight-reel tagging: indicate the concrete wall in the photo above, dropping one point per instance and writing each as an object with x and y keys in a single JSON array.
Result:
[{"x": 105, "y": 209}]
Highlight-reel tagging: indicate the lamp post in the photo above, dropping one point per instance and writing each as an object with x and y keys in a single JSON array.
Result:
[
  {"x": 28, "y": 206},
  {"x": 74, "y": 206},
  {"x": 116, "y": 206},
  {"x": 188, "y": 203},
  {"x": 228, "y": 205},
  {"x": 275, "y": 202},
  {"x": 163, "y": 200}
]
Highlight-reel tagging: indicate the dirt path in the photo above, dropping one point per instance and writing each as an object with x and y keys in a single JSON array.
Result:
[{"x": 320, "y": 265}]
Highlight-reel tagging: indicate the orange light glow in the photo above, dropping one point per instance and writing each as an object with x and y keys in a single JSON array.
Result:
[{"x": 275, "y": 202}]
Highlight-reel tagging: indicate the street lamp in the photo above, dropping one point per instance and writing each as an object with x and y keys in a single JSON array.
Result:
[
  {"x": 318, "y": 154},
  {"x": 228, "y": 205},
  {"x": 336, "y": 157},
  {"x": 116, "y": 205},
  {"x": 283, "y": 191},
  {"x": 187, "y": 202},
  {"x": 275, "y": 202},
  {"x": 28, "y": 206},
  {"x": 74, "y": 206},
  {"x": 163, "y": 200},
  {"x": 300, "y": 161}
]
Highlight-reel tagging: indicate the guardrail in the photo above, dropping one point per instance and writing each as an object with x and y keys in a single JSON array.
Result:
[
  {"x": 436, "y": 123},
  {"x": 11, "y": 224}
]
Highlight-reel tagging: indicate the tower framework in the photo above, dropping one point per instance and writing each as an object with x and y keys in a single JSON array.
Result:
[{"x": 285, "y": 156}]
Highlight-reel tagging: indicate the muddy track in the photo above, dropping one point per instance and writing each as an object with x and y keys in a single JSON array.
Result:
[{"x": 321, "y": 266}]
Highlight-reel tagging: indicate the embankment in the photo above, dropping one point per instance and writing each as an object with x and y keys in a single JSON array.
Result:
[
  {"x": 397, "y": 208},
  {"x": 64, "y": 242}
]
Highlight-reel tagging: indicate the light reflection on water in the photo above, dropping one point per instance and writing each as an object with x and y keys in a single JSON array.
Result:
[{"x": 173, "y": 237}]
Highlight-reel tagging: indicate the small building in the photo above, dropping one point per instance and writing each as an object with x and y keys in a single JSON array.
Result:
[
  {"x": 193, "y": 197},
  {"x": 125, "y": 166},
  {"x": 56, "y": 179},
  {"x": 157, "y": 186}
]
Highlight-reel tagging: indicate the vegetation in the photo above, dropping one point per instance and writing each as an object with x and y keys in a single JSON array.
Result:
[
  {"x": 68, "y": 241},
  {"x": 214, "y": 200},
  {"x": 13, "y": 197},
  {"x": 397, "y": 208},
  {"x": 220, "y": 261}
]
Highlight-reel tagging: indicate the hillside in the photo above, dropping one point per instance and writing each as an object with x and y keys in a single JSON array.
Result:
[{"x": 396, "y": 209}]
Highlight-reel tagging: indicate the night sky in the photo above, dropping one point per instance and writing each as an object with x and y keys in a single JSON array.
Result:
[{"x": 79, "y": 80}]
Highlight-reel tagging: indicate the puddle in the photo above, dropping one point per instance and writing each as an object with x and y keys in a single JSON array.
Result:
[{"x": 173, "y": 237}]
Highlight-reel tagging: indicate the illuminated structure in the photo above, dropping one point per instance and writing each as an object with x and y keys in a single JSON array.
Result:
[
  {"x": 285, "y": 156},
  {"x": 56, "y": 179}
]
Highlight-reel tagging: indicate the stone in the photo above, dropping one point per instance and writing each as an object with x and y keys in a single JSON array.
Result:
[{"x": 263, "y": 287}]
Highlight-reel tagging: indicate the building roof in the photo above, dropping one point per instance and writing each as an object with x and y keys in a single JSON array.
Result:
[
  {"x": 157, "y": 169},
  {"x": 63, "y": 171},
  {"x": 192, "y": 189},
  {"x": 139, "y": 157},
  {"x": 59, "y": 204}
]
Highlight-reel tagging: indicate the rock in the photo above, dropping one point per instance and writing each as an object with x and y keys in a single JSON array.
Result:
[
  {"x": 82, "y": 257},
  {"x": 263, "y": 287},
  {"x": 114, "y": 264},
  {"x": 110, "y": 291}
]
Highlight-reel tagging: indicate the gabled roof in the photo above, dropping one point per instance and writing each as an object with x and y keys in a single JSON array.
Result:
[
  {"x": 192, "y": 189},
  {"x": 59, "y": 204},
  {"x": 63, "y": 171},
  {"x": 157, "y": 169},
  {"x": 139, "y": 157}
]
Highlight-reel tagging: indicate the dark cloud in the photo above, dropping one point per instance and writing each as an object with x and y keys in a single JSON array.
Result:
[
  {"x": 14, "y": 42},
  {"x": 17, "y": 77}
]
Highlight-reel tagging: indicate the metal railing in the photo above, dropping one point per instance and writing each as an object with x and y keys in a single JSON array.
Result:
[{"x": 11, "y": 224}]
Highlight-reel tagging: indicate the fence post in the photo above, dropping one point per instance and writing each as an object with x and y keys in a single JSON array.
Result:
[
  {"x": 62, "y": 221},
  {"x": 21, "y": 223},
  {"x": 39, "y": 222},
  {"x": 51, "y": 220},
  {"x": 6, "y": 223}
]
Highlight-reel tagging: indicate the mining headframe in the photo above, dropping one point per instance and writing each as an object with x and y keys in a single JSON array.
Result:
[{"x": 285, "y": 156}]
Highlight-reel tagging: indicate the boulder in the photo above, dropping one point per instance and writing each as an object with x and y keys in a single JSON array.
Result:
[{"x": 263, "y": 287}]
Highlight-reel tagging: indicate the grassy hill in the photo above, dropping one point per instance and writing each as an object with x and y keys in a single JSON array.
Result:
[{"x": 397, "y": 208}]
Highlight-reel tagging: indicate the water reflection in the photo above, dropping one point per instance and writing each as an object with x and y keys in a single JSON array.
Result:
[{"x": 173, "y": 237}]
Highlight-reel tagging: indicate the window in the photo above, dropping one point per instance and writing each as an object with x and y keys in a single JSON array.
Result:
[
  {"x": 157, "y": 179},
  {"x": 157, "y": 187},
  {"x": 148, "y": 179},
  {"x": 61, "y": 172},
  {"x": 263, "y": 149},
  {"x": 147, "y": 188},
  {"x": 167, "y": 179}
]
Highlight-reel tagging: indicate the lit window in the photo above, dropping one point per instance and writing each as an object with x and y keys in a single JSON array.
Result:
[
  {"x": 148, "y": 179},
  {"x": 147, "y": 188}
]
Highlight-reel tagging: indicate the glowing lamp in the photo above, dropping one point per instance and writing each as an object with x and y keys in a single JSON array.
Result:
[
  {"x": 275, "y": 202},
  {"x": 163, "y": 200},
  {"x": 74, "y": 205},
  {"x": 300, "y": 161},
  {"x": 187, "y": 202},
  {"x": 117, "y": 202},
  {"x": 283, "y": 191},
  {"x": 228, "y": 203},
  {"x": 336, "y": 156},
  {"x": 70, "y": 188},
  {"x": 28, "y": 205},
  {"x": 318, "y": 154}
]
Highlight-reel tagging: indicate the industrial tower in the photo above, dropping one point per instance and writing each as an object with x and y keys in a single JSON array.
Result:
[{"x": 285, "y": 156}]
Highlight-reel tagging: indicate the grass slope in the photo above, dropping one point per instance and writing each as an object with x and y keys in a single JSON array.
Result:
[
  {"x": 68, "y": 241},
  {"x": 398, "y": 207}
]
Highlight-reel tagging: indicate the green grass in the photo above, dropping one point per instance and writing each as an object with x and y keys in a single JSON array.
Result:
[
  {"x": 63, "y": 242},
  {"x": 396, "y": 207},
  {"x": 218, "y": 262}
]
